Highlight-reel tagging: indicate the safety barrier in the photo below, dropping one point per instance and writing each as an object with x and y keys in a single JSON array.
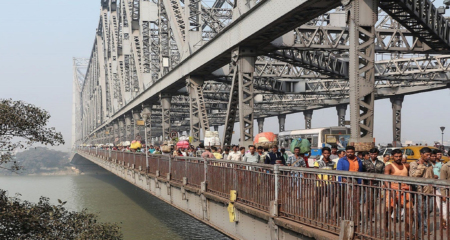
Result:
[{"x": 375, "y": 206}]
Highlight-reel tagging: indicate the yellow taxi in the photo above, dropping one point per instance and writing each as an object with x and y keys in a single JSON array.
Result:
[{"x": 413, "y": 153}]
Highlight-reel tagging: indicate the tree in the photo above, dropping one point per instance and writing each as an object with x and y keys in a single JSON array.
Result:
[
  {"x": 25, "y": 220},
  {"x": 22, "y": 125}
]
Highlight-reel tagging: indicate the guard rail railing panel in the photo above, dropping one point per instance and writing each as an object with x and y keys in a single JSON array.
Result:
[{"x": 380, "y": 206}]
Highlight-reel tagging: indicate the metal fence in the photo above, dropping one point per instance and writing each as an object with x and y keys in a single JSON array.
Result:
[{"x": 380, "y": 206}]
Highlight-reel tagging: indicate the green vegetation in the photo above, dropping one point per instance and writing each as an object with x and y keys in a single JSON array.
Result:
[
  {"x": 21, "y": 126},
  {"x": 25, "y": 220}
]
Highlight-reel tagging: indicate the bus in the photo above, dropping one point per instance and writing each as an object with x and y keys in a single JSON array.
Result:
[{"x": 318, "y": 137}]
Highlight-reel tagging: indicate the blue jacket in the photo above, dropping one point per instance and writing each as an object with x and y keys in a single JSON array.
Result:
[{"x": 344, "y": 165}]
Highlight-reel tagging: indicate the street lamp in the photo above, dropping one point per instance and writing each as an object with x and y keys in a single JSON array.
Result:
[{"x": 442, "y": 129}]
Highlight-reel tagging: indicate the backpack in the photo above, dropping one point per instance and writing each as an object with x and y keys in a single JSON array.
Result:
[{"x": 305, "y": 146}]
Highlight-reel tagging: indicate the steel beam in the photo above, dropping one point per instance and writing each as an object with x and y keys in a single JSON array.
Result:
[
  {"x": 198, "y": 116},
  {"x": 308, "y": 118},
  {"x": 281, "y": 122},
  {"x": 363, "y": 16},
  {"x": 397, "y": 102},
  {"x": 166, "y": 101},
  {"x": 260, "y": 125},
  {"x": 341, "y": 110}
]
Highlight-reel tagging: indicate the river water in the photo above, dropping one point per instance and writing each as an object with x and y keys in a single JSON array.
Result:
[{"x": 141, "y": 215}]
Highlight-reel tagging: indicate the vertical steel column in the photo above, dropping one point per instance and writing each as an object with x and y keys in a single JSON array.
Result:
[
  {"x": 260, "y": 124},
  {"x": 128, "y": 134},
  {"x": 397, "y": 102},
  {"x": 122, "y": 132},
  {"x": 146, "y": 116},
  {"x": 281, "y": 122},
  {"x": 241, "y": 95},
  {"x": 198, "y": 115},
  {"x": 341, "y": 109},
  {"x": 308, "y": 118},
  {"x": 166, "y": 101},
  {"x": 363, "y": 15},
  {"x": 116, "y": 133},
  {"x": 136, "y": 128},
  {"x": 246, "y": 69}
]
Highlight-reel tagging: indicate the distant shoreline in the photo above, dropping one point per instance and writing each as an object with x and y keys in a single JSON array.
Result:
[{"x": 65, "y": 172}]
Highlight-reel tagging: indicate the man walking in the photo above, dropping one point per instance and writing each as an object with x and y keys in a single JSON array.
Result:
[
  {"x": 397, "y": 168},
  {"x": 372, "y": 165},
  {"x": 252, "y": 156},
  {"x": 444, "y": 174},
  {"x": 274, "y": 156},
  {"x": 235, "y": 155},
  {"x": 423, "y": 168},
  {"x": 297, "y": 160},
  {"x": 323, "y": 190},
  {"x": 350, "y": 163}
]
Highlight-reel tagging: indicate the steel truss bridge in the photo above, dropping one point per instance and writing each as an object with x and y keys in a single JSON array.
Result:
[{"x": 188, "y": 65}]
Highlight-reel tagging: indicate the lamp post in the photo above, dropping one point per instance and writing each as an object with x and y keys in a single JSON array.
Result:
[{"x": 442, "y": 142}]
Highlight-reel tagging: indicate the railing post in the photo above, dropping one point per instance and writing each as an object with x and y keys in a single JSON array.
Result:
[
  {"x": 274, "y": 205},
  {"x": 204, "y": 183},
  {"x": 170, "y": 168},
  {"x": 276, "y": 173}
]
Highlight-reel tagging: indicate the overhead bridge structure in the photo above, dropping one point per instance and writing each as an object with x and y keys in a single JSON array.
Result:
[{"x": 188, "y": 65}]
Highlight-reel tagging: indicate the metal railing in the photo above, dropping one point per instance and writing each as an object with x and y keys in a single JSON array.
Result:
[{"x": 380, "y": 206}]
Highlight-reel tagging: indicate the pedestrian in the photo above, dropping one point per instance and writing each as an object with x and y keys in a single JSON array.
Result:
[
  {"x": 444, "y": 174},
  {"x": 373, "y": 165},
  {"x": 397, "y": 199},
  {"x": 350, "y": 163},
  {"x": 424, "y": 169},
  {"x": 226, "y": 153},
  {"x": 252, "y": 156},
  {"x": 242, "y": 150},
  {"x": 297, "y": 160},
  {"x": 323, "y": 187},
  {"x": 216, "y": 154},
  {"x": 438, "y": 155},
  {"x": 386, "y": 158},
  {"x": 360, "y": 155},
  {"x": 275, "y": 157},
  {"x": 157, "y": 151},
  {"x": 207, "y": 154},
  {"x": 235, "y": 155},
  {"x": 365, "y": 156},
  {"x": 152, "y": 149},
  {"x": 341, "y": 154}
]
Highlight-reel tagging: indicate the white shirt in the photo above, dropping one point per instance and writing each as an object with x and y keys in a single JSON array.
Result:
[{"x": 235, "y": 156}]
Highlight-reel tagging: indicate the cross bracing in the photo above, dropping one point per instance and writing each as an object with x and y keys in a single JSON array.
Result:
[{"x": 301, "y": 51}]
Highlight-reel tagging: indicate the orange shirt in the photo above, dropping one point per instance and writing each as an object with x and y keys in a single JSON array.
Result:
[{"x": 354, "y": 165}]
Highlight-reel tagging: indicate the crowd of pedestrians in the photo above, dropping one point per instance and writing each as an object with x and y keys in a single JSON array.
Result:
[{"x": 428, "y": 166}]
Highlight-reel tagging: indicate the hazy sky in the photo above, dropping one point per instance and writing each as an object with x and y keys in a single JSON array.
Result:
[{"x": 40, "y": 38}]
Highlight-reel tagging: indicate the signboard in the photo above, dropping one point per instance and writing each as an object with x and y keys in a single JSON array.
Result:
[
  {"x": 347, "y": 122},
  {"x": 140, "y": 122},
  {"x": 337, "y": 139},
  {"x": 173, "y": 134}
]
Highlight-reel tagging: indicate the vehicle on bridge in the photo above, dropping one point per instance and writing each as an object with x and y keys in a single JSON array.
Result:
[
  {"x": 413, "y": 153},
  {"x": 318, "y": 137}
]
